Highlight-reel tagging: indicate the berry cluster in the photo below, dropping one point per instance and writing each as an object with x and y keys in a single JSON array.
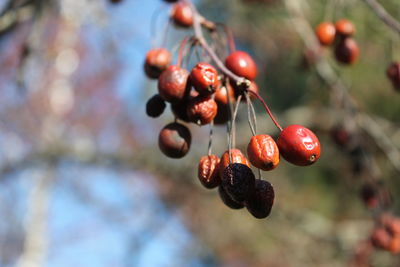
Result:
[
  {"x": 340, "y": 35},
  {"x": 209, "y": 94},
  {"x": 386, "y": 234}
]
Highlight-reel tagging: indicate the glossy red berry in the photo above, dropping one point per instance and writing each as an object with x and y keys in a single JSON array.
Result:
[
  {"x": 347, "y": 51},
  {"x": 208, "y": 173},
  {"x": 345, "y": 27},
  {"x": 263, "y": 152},
  {"x": 155, "y": 106},
  {"x": 173, "y": 84},
  {"x": 204, "y": 78},
  {"x": 182, "y": 14},
  {"x": 325, "y": 32},
  {"x": 228, "y": 201},
  {"x": 393, "y": 73},
  {"x": 242, "y": 64},
  {"x": 237, "y": 157},
  {"x": 174, "y": 140},
  {"x": 202, "y": 110},
  {"x": 259, "y": 204},
  {"x": 299, "y": 145},
  {"x": 238, "y": 181},
  {"x": 157, "y": 60}
]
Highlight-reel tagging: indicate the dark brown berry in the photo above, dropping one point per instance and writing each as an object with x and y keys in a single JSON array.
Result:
[
  {"x": 237, "y": 157},
  {"x": 173, "y": 84},
  {"x": 347, "y": 51},
  {"x": 157, "y": 60},
  {"x": 202, "y": 110},
  {"x": 238, "y": 181},
  {"x": 208, "y": 171},
  {"x": 155, "y": 106},
  {"x": 259, "y": 204},
  {"x": 393, "y": 73},
  {"x": 174, "y": 140},
  {"x": 228, "y": 201}
]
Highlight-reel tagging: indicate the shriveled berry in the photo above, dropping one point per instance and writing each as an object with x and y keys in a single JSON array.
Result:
[
  {"x": 202, "y": 110},
  {"x": 174, "y": 140},
  {"x": 228, "y": 201},
  {"x": 182, "y": 14},
  {"x": 238, "y": 181},
  {"x": 242, "y": 64},
  {"x": 299, "y": 145},
  {"x": 157, "y": 60},
  {"x": 155, "y": 106},
  {"x": 222, "y": 94},
  {"x": 325, "y": 32},
  {"x": 204, "y": 78},
  {"x": 345, "y": 27},
  {"x": 173, "y": 84},
  {"x": 393, "y": 73},
  {"x": 237, "y": 157},
  {"x": 259, "y": 204},
  {"x": 179, "y": 108},
  {"x": 380, "y": 238},
  {"x": 208, "y": 171},
  {"x": 347, "y": 51},
  {"x": 263, "y": 152}
]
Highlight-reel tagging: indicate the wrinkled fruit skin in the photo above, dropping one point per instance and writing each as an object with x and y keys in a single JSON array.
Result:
[
  {"x": 393, "y": 73},
  {"x": 345, "y": 27},
  {"x": 204, "y": 78},
  {"x": 182, "y": 15},
  {"x": 228, "y": 201},
  {"x": 174, "y": 140},
  {"x": 347, "y": 51},
  {"x": 325, "y": 32},
  {"x": 242, "y": 64},
  {"x": 263, "y": 152},
  {"x": 237, "y": 157},
  {"x": 208, "y": 171},
  {"x": 173, "y": 84},
  {"x": 157, "y": 60},
  {"x": 299, "y": 145},
  {"x": 238, "y": 181},
  {"x": 259, "y": 204},
  {"x": 202, "y": 110},
  {"x": 155, "y": 106}
]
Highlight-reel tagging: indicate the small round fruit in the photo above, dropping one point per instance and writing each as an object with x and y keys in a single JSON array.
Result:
[
  {"x": 393, "y": 73},
  {"x": 263, "y": 152},
  {"x": 345, "y": 27},
  {"x": 204, "y": 78},
  {"x": 202, "y": 110},
  {"x": 174, "y": 140},
  {"x": 222, "y": 94},
  {"x": 173, "y": 84},
  {"x": 347, "y": 51},
  {"x": 237, "y": 157},
  {"x": 182, "y": 14},
  {"x": 155, "y": 106},
  {"x": 299, "y": 145},
  {"x": 242, "y": 64},
  {"x": 157, "y": 60},
  {"x": 228, "y": 201},
  {"x": 238, "y": 181},
  {"x": 325, "y": 32},
  {"x": 208, "y": 171},
  {"x": 259, "y": 204}
]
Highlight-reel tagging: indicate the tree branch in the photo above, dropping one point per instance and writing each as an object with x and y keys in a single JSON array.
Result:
[{"x": 381, "y": 12}]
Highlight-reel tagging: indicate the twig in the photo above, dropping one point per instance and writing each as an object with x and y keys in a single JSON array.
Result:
[{"x": 381, "y": 12}]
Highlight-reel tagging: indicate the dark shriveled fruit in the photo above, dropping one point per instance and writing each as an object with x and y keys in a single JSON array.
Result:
[
  {"x": 259, "y": 204},
  {"x": 238, "y": 181},
  {"x": 174, "y": 140},
  {"x": 208, "y": 171},
  {"x": 155, "y": 106},
  {"x": 202, "y": 110},
  {"x": 236, "y": 157},
  {"x": 228, "y": 201}
]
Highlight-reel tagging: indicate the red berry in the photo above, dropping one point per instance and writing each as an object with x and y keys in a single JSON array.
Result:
[
  {"x": 345, "y": 27},
  {"x": 228, "y": 201},
  {"x": 155, "y": 106},
  {"x": 202, "y": 110},
  {"x": 174, "y": 140},
  {"x": 182, "y": 14},
  {"x": 157, "y": 60},
  {"x": 222, "y": 94},
  {"x": 237, "y": 157},
  {"x": 204, "y": 78},
  {"x": 238, "y": 181},
  {"x": 347, "y": 51},
  {"x": 173, "y": 84},
  {"x": 340, "y": 136},
  {"x": 208, "y": 171},
  {"x": 259, "y": 204},
  {"x": 242, "y": 64},
  {"x": 325, "y": 32},
  {"x": 299, "y": 145},
  {"x": 263, "y": 152},
  {"x": 380, "y": 238},
  {"x": 393, "y": 73}
]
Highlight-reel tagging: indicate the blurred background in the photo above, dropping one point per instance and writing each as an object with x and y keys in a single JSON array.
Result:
[{"x": 83, "y": 182}]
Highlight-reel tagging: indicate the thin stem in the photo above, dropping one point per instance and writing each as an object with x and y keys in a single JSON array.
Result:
[
  {"x": 229, "y": 36},
  {"x": 210, "y": 143},
  {"x": 181, "y": 50},
  {"x": 233, "y": 128},
  {"x": 381, "y": 12},
  {"x": 251, "y": 116}
]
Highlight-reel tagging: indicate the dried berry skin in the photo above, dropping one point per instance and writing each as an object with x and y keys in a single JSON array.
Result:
[
  {"x": 208, "y": 171},
  {"x": 325, "y": 32},
  {"x": 204, "y": 78},
  {"x": 259, "y": 204},
  {"x": 157, "y": 60},
  {"x": 237, "y": 157},
  {"x": 242, "y": 64},
  {"x": 347, "y": 51},
  {"x": 155, "y": 106},
  {"x": 263, "y": 152},
  {"x": 345, "y": 27},
  {"x": 182, "y": 14},
  {"x": 173, "y": 84},
  {"x": 174, "y": 140},
  {"x": 228, "y": 201},
  {"x": 238, "y": 181},
  {"x": 202, "y": 110},
  {"x": 393, "y": 73},
  {"x": 299, "y": 145}
]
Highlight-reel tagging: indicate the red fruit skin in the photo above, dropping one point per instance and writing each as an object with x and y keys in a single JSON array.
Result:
[
  {"x": 157, "y": 60},
  {"x": 347, "y": 51},
  {"x": 204, "y": 78},
  {"x": 237, "y": 157},
  {"x": 202, "y": 110},
  {"x": 393, "y": 73},
  {"x": 174, "y": 140},
  {"x": 325, "y": 33},
  {"x": 263, "y": 152},
  {"x": 242, "y": 64},
  {"x": 182, "y": 15},
  {"x": 299, "y": 145},
  {"x": 260, "y": 203},
  {"x": 345, "y": 27},
  {"x": 222, "y": 93},
  {"x": 208, "y": 173},
  {"x": 173, "y": 84}
]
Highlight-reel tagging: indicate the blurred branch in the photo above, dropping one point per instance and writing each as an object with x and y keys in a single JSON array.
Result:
[{"x": 381, "y": 12}]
